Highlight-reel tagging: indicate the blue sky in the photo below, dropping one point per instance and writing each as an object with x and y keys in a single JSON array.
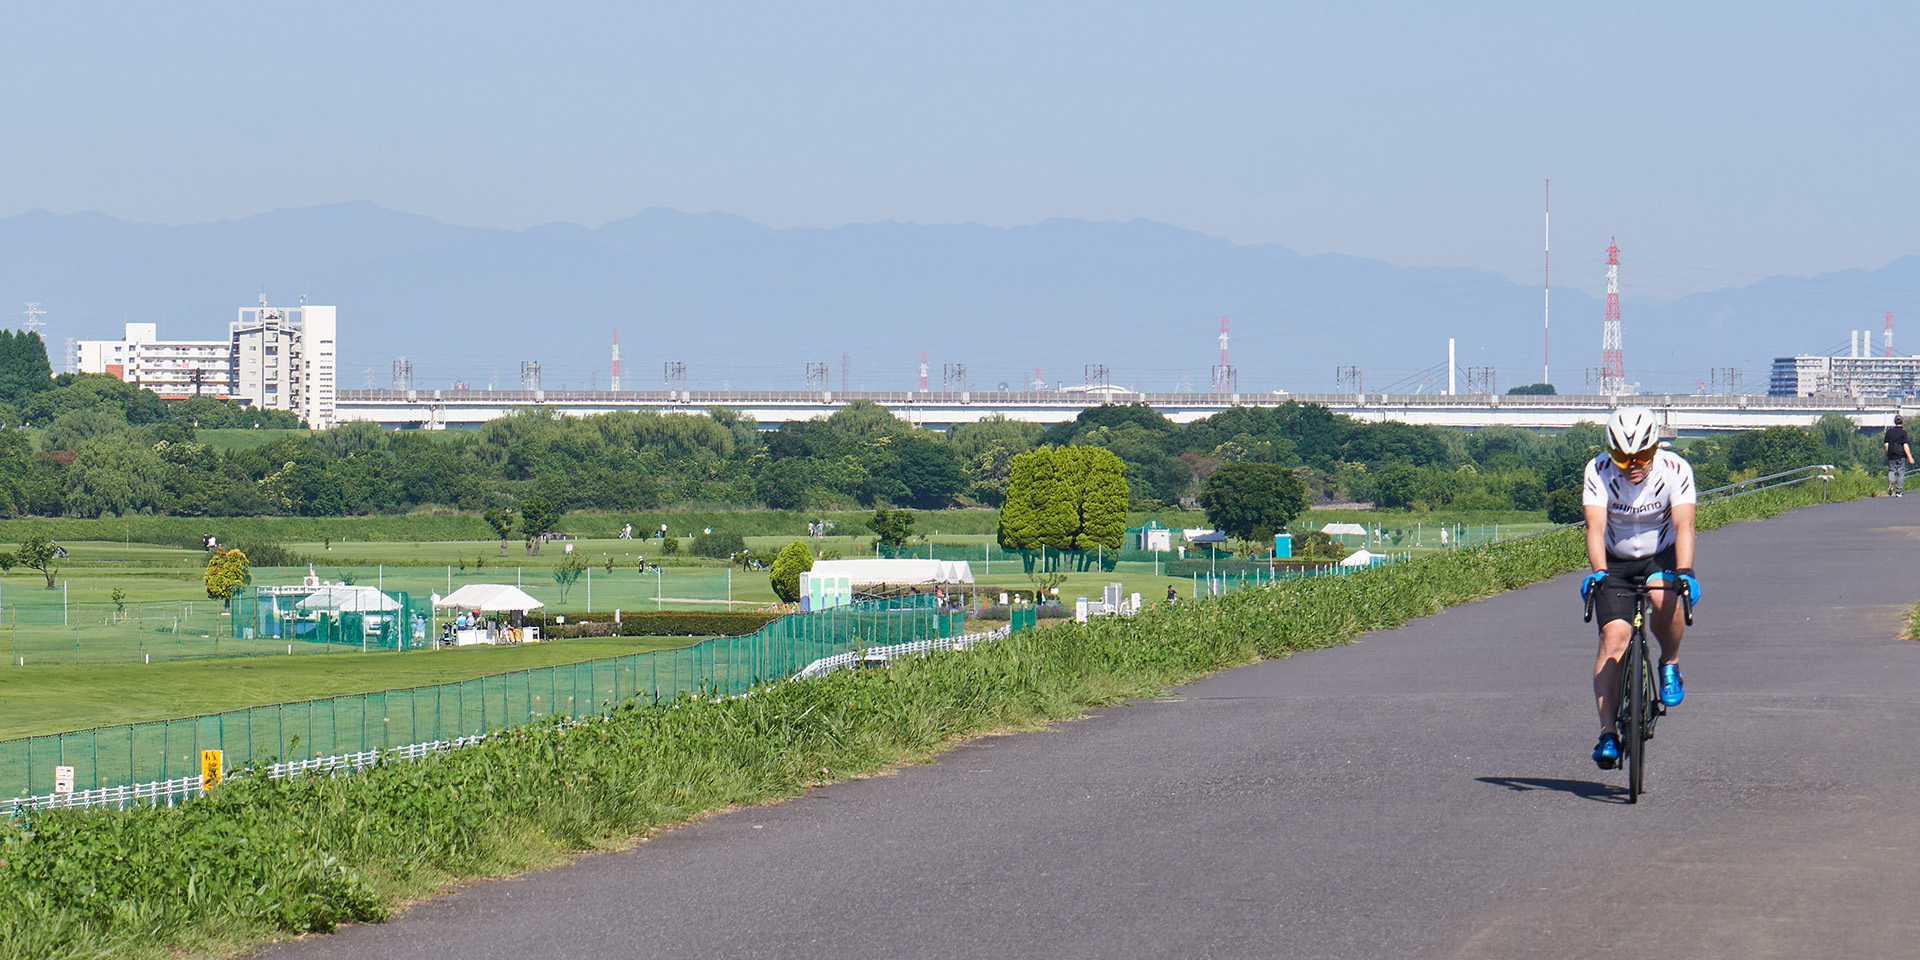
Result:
[{"x": 1719, "y": 141}]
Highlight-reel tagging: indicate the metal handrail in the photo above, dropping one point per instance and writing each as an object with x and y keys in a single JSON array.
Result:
[{"x": 1822, "y": 472}]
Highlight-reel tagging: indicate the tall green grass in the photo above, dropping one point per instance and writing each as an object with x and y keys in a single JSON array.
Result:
[{"x": 261, "y": 859}]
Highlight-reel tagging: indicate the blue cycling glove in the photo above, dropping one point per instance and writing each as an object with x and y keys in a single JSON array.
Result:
[
  {"x": 1692, "y": 583},
  {"x": 1593, "y": 580}
]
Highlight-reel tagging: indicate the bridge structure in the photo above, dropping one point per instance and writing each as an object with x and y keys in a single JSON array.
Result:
[{"x": 1682, "y": 414}]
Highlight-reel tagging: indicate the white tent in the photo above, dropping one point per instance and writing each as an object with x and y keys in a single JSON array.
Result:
[
  {"x": 901, "y": 572},
  {"x": 1361, "y": 558},
  {"x": 487, "y": 597},
  {"x": 340, "y": 598},
  {"x": 1344, "y": 529}
]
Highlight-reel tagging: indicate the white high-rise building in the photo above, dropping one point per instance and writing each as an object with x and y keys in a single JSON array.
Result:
[
  {"x": 174, "y": 369},
  {"x": 1856, "y": 376},
  {"x": 284, "y": 358}
]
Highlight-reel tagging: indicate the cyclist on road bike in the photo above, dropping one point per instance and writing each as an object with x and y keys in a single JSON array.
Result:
[{"x": 1639, "y": 502}]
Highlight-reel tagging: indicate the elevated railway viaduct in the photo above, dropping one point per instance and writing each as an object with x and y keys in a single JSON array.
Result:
[{"x": 1683, "y": 414}]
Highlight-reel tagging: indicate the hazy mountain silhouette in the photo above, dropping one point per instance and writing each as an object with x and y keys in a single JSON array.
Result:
[{"x": 749, "y": 305}]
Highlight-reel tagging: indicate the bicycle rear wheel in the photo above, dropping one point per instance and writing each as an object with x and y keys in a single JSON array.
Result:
[{"x": 1634, "y": 737}]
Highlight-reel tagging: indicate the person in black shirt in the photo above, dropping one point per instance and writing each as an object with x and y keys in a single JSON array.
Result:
[{"x": 1898, "y": 456}]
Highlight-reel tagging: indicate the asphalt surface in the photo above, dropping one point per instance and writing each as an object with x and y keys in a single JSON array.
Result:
[{"x": 1424, "y": 792}]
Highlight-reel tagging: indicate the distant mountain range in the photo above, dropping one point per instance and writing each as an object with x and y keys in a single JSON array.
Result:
[{"x": 747, "y": 306}]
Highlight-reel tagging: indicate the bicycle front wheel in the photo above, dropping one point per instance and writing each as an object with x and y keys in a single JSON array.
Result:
[{"x": 1639, "y": 707}]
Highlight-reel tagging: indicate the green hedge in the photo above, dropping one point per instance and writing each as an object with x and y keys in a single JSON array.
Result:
[{"x": 655, "y": 623}]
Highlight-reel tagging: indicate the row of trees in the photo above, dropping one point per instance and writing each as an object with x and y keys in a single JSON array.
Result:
[{"x": 111, "y": 448}]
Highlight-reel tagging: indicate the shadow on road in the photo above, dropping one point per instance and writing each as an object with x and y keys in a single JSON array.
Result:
[{"x": 1584, "y": 789}]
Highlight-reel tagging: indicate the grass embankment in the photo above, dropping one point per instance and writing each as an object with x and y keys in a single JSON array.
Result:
[
  {"x": 55, "y": 698},
  {"x": 186, "y": 531},
  {"x": 260, "y": 859}
]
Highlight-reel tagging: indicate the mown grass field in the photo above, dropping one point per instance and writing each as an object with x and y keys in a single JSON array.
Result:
[
  {"x": 164, "y": 613},
  {"x": 53, "y": 698}
]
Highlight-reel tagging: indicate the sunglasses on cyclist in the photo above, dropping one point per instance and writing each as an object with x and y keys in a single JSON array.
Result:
[{"x": 1641, "y": 459}]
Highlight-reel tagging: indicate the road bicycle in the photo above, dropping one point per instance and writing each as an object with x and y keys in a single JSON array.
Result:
[{"x": 1640, "y": 707}]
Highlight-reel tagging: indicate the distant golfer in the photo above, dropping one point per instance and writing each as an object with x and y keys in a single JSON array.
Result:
[{"x": 1898, "y": 456}]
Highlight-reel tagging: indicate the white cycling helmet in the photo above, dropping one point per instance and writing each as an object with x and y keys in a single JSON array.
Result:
[{"x": 1632, "y": 430}]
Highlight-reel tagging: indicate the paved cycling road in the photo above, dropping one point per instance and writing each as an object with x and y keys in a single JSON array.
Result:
[{"x": 1422, "y": 793}]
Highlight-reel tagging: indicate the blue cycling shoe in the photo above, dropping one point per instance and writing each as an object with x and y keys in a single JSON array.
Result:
[
  {"x": 1672, "y": 688},
  {"x": 1606, "y": 753}
]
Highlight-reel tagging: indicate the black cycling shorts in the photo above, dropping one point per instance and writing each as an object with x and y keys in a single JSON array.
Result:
[{"x": 1615, "y": 601}]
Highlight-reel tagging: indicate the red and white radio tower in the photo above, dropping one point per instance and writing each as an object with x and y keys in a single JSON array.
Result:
[
  {"x": 1613, "y": 371},
  {"x": 1887, "y": 338},
  {"x": 1224, "y": 378},
  {"x": 923, "y": 371},
  {"x": 615, "y": 384}
]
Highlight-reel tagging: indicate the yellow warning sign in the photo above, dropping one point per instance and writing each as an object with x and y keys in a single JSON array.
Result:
[{"x": 209, "y": 769}]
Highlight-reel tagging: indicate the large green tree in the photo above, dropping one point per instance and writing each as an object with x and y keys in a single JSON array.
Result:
[
  {"x": 1253, "y": 501},
  {"x": 1068, "y": 499},
  {"x": 39, "y": 552},
  {"x": 24, "y": 369},
  {"x": 83, "y": 391},
  {"x": 115, "y": 474},
  {"x": 1773, "y": 450},
  {"x": 537, "y": 516},
  {"x": 893, "y": 527},
  {"x": 793, "y": 560},
  {"x": 227, "y": 571}
]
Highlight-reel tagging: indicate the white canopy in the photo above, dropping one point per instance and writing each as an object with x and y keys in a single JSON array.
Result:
[
  {"x": 1360, "y": 558},
  {"x": 896, "y": 571},
  {"x": 1344, "y": 529},
  {"x": 340, "y": 598},
  {"x": 487, "y": 596}
]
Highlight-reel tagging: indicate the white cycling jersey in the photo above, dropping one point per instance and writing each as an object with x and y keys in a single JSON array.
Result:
[{"x": 1639, "y": 515}]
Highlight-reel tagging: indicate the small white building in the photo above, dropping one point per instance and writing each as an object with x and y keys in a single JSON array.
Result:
[{"x": 831, "y": 582}]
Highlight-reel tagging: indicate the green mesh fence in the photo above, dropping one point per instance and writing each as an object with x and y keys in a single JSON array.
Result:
[
  {"x": 39, "y": 627},
  {"x": 597, "y": 590},
  {"x": 163, "y": 750},
  {"x": 333, "y": 616}
]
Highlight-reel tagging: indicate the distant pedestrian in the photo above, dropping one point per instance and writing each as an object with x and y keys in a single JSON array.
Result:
[
  {"x": 1898, "y": 456},
  {"x": 1170, "y": 593}
]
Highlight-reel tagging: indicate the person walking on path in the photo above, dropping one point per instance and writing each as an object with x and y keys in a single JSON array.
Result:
[{"x": 1898, "y": 456}]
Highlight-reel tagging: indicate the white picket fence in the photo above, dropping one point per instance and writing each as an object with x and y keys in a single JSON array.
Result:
[
  {"x": 181, "y": 789},
  {"x": 880, "y": 656}
]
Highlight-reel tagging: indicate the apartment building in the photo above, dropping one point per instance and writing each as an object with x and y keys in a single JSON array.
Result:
[
  {"x": 274, "y": 358},
  {"x": 1809, "y": 376},
  {"x": 174, "y": 369},
  {"x": 286, "y": 358}
]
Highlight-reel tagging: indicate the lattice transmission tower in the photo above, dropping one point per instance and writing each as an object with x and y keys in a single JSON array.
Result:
[{"x": 1613, "y": 371}]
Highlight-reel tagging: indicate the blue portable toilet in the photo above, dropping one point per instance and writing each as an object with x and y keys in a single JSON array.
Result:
[{"x": 1282, "y": 546}]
